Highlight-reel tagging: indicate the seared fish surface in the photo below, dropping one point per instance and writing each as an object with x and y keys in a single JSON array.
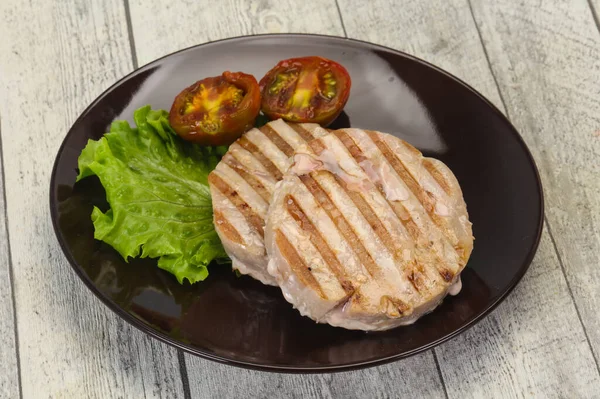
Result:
[
  {"x": 363, "y": 232},
  {"x": 241, "y": 188}
]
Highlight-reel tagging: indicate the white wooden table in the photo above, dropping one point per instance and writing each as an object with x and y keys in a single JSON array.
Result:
[{"x": 538, "y": 61}]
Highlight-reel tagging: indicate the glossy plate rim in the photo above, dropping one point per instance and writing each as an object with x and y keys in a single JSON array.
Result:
[{"x": 154, "y": 333}]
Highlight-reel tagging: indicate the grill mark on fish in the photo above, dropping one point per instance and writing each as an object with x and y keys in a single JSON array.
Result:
[
  {"x": 302, "y": 132},
  {"x": 317, "y": 146},
  {"x": 319, "y": 242},
  {"x": 422, "y": 195},
  {"x": 361, "y": 203},
  {"x": 227, "y": 228},
  {"x": 274, "y": 136},
  {"x": 416, "y": 278},
  {"x": 296, "y": 263},
  {"x": 340, "y": 222},
  {"x": 376, "y": 225},
  {"x": 437, "y": 176},
  {"x": 254, "y": 221},
  {"x": 262, "y": 158},
  {"x": 249, "y": 177},
  {"x": 396, "y": 304},
  {"x": 399, "y": 209},
  {"x": 446, "y": 274},
  {"x": 351, "y": 146}
]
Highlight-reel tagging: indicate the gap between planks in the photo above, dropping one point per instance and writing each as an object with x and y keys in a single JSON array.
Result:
[
  {"x": 594, "y": 14},
  {"x": 487, "y": 59},
  {"x": 337, "y": 5},
  {"x": 134, "y": 60},
  {"x": 439, "y": 370},
  {"x": 11, "y": 276},
  {"x": 562, "y": 268},
  {"x": 185, "y": 381}
]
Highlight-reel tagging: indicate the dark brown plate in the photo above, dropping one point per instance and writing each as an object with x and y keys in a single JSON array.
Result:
[{"x": 241, "y": 322}]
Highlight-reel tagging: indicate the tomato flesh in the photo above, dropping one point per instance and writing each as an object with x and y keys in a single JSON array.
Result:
[
  {"x": 307, "y": 89},
  {"x": 216, "y": 110}
]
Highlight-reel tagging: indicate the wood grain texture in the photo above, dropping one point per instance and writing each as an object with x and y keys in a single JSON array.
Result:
[
  {"x": 532, "y": 345},
  {"x": 397, "y": 380},
  {"x": 9, "y": 373},
  {"x": 185, "y": 23},
  {"x": 233, "y": 18},
  {"x": 546, "y": 59},
  {"x": 57, "y": 57},
  {"x": 527, "y": 342}
]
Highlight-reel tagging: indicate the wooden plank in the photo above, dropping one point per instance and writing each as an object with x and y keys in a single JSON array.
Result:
[
  {"x": 547, "y": 62},
  {"x": 9, "y": 372},
  {"x": 183, "y": 24},
  {"x": 198, "y": 24},
  {"x": 397, "y": 380},
  {"x": 509, "y": 354},
  {"x": 532, "y": 345},
  {"x": 56, "y": 57}
]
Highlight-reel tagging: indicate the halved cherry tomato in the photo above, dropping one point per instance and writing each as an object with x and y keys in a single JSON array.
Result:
[
  {"x": 307, "y": 89},
  {"x": 217, "y": 110}
]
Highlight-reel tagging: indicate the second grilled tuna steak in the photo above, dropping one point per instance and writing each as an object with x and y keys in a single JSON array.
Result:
[
  {"x": 365, "y": 233},
  {"x": 241, "y": 188}
]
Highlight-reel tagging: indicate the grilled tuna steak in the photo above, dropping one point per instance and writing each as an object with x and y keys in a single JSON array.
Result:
[
  {"x": 241, "y": 188},
  {"x": 363, "y": 232}
]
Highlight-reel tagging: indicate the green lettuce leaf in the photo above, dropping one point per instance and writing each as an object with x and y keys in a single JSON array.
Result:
[{"x": 157, "y": 188}]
